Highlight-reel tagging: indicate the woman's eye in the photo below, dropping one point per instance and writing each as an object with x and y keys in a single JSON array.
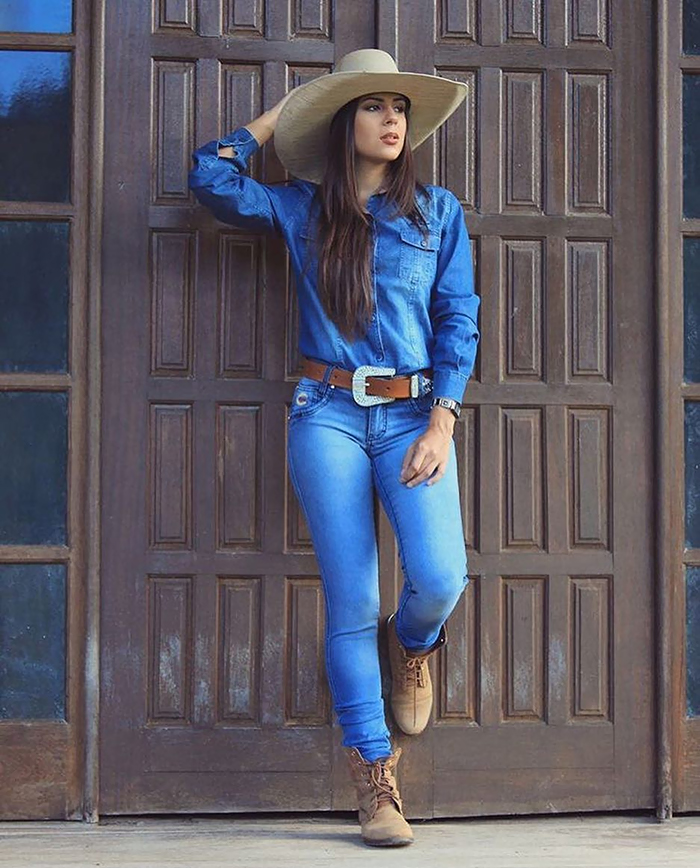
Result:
[{"x": 399, "y": 108}]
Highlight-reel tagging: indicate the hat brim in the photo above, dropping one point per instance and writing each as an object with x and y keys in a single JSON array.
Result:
[{"x": 301, "y": 133}]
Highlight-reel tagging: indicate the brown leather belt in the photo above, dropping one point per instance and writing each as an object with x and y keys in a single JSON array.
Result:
[{"x": 385, "y": 386}]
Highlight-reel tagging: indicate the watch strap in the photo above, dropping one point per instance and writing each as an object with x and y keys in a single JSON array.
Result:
[{"x": 449, "y": 403}]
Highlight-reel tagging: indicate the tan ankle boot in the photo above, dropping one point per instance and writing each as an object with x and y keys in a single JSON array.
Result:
[
  {"x": 380, "y": 809},
  {"x": 411, "y": 686}
]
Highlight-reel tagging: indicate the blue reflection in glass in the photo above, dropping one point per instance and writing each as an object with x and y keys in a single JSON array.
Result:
[
  {"x": 35, "y": 125},
  {"x": 33, "y": 295},
  {"x": 692, "y": 625},
  {"x": 36, "y": 16},
  {"x": 32, "y": 641},
  {"x": 33, "y": 468},
  {"x": 691, "y": 27}
]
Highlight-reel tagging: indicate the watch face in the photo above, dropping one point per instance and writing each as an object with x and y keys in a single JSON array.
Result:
[{"x": 449, "y": 404}]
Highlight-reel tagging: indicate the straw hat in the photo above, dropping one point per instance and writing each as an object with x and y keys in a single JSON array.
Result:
[{"x": 301, "y": 134}]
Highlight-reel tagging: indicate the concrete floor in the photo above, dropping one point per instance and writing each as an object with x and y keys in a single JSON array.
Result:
[{"x": 320, "y": 842}]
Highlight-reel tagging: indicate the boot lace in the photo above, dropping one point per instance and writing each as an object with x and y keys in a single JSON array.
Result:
[
  {"x": 383, "y": 783},
  {"x": 415, "y": 671}
]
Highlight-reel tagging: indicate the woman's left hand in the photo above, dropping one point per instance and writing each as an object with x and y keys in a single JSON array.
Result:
[{"x": 427, "y": 456}]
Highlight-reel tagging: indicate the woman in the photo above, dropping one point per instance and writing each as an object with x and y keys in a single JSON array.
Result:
[{"x": 388, "y": 337}]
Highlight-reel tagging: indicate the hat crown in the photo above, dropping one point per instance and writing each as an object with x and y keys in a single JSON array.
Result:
[
  {"x": 366, "y": 60},
  {"x": 303, "y": 126}
]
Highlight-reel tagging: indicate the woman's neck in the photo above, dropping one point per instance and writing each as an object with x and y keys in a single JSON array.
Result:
[{"x": 370, "y": 180}]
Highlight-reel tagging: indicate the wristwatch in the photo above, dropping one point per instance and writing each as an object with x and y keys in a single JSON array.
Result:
[{"x": 450, "y": 403}]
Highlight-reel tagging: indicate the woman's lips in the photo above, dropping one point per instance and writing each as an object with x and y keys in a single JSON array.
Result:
[{"x": 390, "y": 139}]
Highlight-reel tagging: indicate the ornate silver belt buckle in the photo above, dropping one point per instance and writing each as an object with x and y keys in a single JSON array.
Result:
[{"x": 359, "y": 384}]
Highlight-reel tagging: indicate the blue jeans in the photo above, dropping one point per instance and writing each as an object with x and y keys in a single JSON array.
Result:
[{"x": 338, "y": 451}]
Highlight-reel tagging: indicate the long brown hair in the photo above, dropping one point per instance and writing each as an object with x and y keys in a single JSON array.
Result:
[{"x": 344, "y": 237}]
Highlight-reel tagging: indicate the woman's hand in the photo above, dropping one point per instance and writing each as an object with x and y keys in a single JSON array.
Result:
[
  {"x": 278, "y": 108},
  {"x": 263, "y": 127},
  {"x": 427, "y": 456}
]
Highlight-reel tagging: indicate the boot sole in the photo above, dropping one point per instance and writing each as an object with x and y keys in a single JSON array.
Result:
[{"x": 389, "y": 842}]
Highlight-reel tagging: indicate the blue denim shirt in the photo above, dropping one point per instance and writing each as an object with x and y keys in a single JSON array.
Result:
[{"x": 425, "y": 308}]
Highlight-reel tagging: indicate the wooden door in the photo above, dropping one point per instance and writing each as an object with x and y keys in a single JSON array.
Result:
[
  {"x": 678, "y": 85},
  {"x": 552, "y": 157},
  {"x": 212, "y": 681}
]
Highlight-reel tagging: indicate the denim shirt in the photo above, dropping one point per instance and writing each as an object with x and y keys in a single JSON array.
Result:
[{"x": 425, "y": 308}]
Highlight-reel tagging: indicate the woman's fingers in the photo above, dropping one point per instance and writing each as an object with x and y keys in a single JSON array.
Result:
[
  {"x": 418, "y": 464},
  {"x": 423, "y": 459},
  {"x": 408, "y": 468},
  {"x": 424, "y": 473},
  {"x": 438, "y": 474}
]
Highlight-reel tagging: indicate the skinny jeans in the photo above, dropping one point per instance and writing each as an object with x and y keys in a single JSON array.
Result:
[{"x": 338, "y": 452}]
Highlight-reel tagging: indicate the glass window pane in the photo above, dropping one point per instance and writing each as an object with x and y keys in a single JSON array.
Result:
[
  {"x": 691, "y": 309},
  {"x": 36, "y": 16},
  {"x": 692, "y": 474},
  {"x": 691, "y": 27},
  {"x": 33, "y": 465},
  {"x": 691, "y": 145},
  {"x": 33, "y": 296},
  {"x": 692, "y": 621},
  {"x": 35, "y": 126},
  {"x": 32, "y": 641}
]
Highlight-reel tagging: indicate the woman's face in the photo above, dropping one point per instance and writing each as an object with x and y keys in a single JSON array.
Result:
[{"x": 380, "y": 126}]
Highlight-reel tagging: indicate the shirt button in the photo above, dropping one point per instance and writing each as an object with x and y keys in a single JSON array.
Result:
[{"x": 380, "y": 356}]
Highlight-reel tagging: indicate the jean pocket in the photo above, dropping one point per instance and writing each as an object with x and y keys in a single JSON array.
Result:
[
  {"x": 421, "y": 405},
  {"x": 308, "y": 398}
]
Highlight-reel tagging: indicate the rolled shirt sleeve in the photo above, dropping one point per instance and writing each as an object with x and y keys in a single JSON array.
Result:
[
  {"x": 222, "y": 185},
  {"x": 454, "y": 309}
]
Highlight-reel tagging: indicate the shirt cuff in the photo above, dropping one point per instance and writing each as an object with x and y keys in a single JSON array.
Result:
[
  {"x": 243, "y": 142},
  {"x": 449, "y": 384}
]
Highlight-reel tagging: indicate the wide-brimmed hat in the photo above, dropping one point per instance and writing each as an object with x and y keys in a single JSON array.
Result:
[{"x": 301, "y": 133}]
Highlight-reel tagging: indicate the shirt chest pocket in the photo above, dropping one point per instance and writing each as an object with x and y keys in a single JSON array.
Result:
[{"x": 418, "y": 257}]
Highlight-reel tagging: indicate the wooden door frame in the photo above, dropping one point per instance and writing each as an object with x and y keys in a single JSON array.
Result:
[
  {"x": 93, "y": 564},
  {"x": 678, "y": 738}
]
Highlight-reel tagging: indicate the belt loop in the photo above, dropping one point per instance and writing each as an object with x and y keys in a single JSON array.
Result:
[{"x": 326, "y": 376}]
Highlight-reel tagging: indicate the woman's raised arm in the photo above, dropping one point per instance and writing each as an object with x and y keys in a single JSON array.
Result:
[
  {"x": 219, "y": 182},
  {"x": 262, "y": 127}
]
